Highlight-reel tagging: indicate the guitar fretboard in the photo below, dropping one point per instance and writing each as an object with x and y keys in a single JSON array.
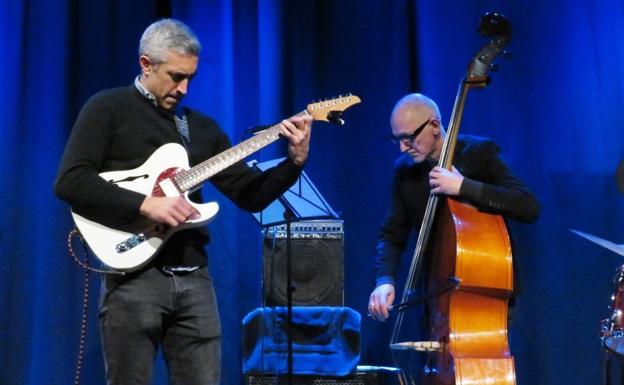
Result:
[{"x": 189, "y": 179}]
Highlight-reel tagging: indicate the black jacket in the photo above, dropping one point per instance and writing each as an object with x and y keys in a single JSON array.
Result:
[{"x": 488, "y": 184}]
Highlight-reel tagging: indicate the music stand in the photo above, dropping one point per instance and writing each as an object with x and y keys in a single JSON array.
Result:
[
  {"x": 302, "y": 198},
  {"x": 302, "y": 201}
]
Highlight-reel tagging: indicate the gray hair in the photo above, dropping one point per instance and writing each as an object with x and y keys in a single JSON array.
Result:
[{"x": 168, "y": 35}]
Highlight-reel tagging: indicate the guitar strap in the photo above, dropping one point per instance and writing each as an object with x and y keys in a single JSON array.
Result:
[{"x": 183, "y": 130}]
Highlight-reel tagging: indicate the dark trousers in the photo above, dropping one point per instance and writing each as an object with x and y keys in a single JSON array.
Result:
[{"x": 140, "y": 313}]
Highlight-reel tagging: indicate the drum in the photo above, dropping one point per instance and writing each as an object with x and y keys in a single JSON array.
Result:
[{"x": 612, "y": 328}]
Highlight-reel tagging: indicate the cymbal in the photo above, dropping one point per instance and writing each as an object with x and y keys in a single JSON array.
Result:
[{"x": 618, "y": 249}]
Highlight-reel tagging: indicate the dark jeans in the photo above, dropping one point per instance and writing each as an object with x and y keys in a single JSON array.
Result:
[{"x": 143, "y": 312}]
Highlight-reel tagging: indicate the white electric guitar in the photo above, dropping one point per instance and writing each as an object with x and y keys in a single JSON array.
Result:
[{"x": 167, "y": 173}]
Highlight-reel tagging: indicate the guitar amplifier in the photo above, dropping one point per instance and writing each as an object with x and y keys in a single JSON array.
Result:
[
  {"x": 365, "y": 375},
  {"x": 317, "y": 264}
]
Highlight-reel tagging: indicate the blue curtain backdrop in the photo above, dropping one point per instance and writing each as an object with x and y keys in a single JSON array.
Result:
[{"x": 554, "y": 107}]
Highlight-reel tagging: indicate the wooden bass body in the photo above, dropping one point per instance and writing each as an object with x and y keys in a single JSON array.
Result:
[{"x": 470, "y": 321}]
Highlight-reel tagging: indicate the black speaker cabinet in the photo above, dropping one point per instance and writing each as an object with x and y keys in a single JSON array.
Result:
[
  {"x": 317, "y": 264},
  {"x": 365, "y": 375},
  {"x": 357, "y": 379}
]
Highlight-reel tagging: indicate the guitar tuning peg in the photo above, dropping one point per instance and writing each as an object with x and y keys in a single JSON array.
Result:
[
  {"x": 493, "y": 67},
  {"x": 335, "y": 117},
  {"x": 507, "y": 53}
]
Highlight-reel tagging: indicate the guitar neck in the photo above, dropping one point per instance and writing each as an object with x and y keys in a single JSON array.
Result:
[{"x": 190, "y": 179}]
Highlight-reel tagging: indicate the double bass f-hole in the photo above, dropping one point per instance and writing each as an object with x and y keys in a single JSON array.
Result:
[{"x": 468, "y": 324}]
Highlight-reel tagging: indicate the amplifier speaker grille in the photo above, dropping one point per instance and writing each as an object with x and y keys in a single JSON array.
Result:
[{"x": 317, "y": 264}]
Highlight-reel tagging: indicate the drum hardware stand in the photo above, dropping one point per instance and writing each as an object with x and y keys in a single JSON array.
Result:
[
  {"x": 609, "y": 358},
  {"x": 610, "y": 336}
]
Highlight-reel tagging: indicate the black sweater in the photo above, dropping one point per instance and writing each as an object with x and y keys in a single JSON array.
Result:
[
  {"x": 118, "y": 129},
  {"x": 488, "y": 184}
]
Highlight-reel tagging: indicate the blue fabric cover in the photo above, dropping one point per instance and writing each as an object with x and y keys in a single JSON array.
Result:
[{"x": 326, "y": 340}]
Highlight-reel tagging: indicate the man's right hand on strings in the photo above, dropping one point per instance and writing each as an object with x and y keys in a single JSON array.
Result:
[{"x": 172, "y": 211}]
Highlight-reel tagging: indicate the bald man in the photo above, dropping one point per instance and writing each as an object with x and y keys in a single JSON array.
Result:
[{"x": 479, "y": 176}]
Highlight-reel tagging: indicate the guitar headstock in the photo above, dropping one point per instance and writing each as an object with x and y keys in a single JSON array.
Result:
[
  {"x": 498, "y": 28},
  {"x": 329, "y": 110}
]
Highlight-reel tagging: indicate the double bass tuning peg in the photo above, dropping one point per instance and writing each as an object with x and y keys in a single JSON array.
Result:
[{"x": 494, "y": 66}]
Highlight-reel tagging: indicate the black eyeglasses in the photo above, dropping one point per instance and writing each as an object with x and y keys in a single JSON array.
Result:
[{"x": 410, "y": 137}]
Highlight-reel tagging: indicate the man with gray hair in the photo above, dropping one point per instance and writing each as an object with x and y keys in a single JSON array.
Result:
[
  {"x": 479, "y": 176},
  {"x": 169, "y": 303}
]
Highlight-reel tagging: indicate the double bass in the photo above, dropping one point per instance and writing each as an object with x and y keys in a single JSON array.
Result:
[{"x": 470, "y": 272}]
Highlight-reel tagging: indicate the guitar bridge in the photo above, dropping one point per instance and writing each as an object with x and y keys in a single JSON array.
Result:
[{"x": 130, "y": 243}]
